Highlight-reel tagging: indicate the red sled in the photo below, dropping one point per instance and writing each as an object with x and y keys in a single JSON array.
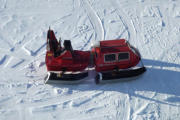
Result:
[
  {"x": 65, "y": 65},
  {"x": 112, "y": 59},
  {"x": 116, "y": 59}
]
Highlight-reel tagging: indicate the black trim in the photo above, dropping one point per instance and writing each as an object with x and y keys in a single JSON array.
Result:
[
  {"x": 68, "y": 46},
  {"x": 97, "y": 79},
  {"x": 110, "y": 57},
  {"x": 67, "y": 77},
  {"x": 122, "y": 74},
  {"x": 122, "y": 56},
  {"x": 112, "y": 46}
]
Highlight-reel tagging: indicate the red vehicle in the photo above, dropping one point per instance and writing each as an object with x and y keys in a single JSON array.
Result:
[
  {"x": 116, "y": 59},
  {"x": 65, "y": 64},
  {"x": 113, "y": 59}
]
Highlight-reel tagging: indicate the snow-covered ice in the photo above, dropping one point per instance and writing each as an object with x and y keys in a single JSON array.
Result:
[{"x": 153, "y": 26}]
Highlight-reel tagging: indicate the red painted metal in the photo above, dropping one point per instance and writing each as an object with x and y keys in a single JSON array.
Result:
[
  {"x": 79, "y": 60},
  {"x": 114, "y": 47},
  {"x": 67, "y": 62}
]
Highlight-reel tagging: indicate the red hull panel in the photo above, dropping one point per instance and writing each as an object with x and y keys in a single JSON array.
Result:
[
  {"x": 114, "y": 47},
  {"x": 67, "y": 62},
  {"x": 110, "y": 55}
]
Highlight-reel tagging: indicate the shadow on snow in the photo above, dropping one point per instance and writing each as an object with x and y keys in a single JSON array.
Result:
[{"x": 156, "y": 80}]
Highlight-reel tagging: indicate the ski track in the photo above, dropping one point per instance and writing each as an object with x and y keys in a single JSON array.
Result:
[
  {"x": 3, "y": 59},
  {"x": 142, "y": 108},
  {"x": 131, "y": 37},
  {"x": 24, "y": 95},
  {"x": 125, "y": 20},
  {"x": 63, "y": 100},
  {"x": 13, "y": 53},
  {"x": 128, "y": 107},
  {"x": 95, "y": 20}
]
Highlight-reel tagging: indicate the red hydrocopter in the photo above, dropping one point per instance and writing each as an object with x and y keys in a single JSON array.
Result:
[{"x": 112, "y": 59}]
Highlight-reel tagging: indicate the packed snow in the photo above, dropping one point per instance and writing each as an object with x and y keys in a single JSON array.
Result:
[{"x": 153, "y": 26}]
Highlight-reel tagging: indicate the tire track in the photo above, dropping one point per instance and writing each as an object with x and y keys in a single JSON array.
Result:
[
  {"x": 132, "y": 35},
  {"x": 62, "y": 100},
  {"x": 153, "y": 34},
  {"x": 144, "y": 106},
  {"x": 128, "y": 107},
  {"x": 122, "y": 105},
  {"x": 94, "y": 20},
  {"x": 127, "y": 22},
  {"x": 13, "y": 53}
]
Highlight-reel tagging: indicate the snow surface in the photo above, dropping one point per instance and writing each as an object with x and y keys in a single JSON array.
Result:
[{"x": 153, "y": 26}]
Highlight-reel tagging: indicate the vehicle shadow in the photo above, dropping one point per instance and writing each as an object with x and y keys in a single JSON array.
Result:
[{"x": 157, "y": 79}]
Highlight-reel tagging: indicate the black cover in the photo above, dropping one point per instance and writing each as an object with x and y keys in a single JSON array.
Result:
[
  {"x": 67, "y": 77},
  {"x": 120, "y": 74},
  {"x": 68, "y": 46}
]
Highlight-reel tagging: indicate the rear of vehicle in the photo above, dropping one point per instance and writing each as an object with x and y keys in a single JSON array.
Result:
[{"x": 115, "y": 59}]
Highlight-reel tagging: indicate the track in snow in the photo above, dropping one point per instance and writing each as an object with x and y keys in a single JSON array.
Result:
[
  {"x": 95, "y": 22},
  {"x": 149, "y": 25},
  {"x": 126, "y": 20}
]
